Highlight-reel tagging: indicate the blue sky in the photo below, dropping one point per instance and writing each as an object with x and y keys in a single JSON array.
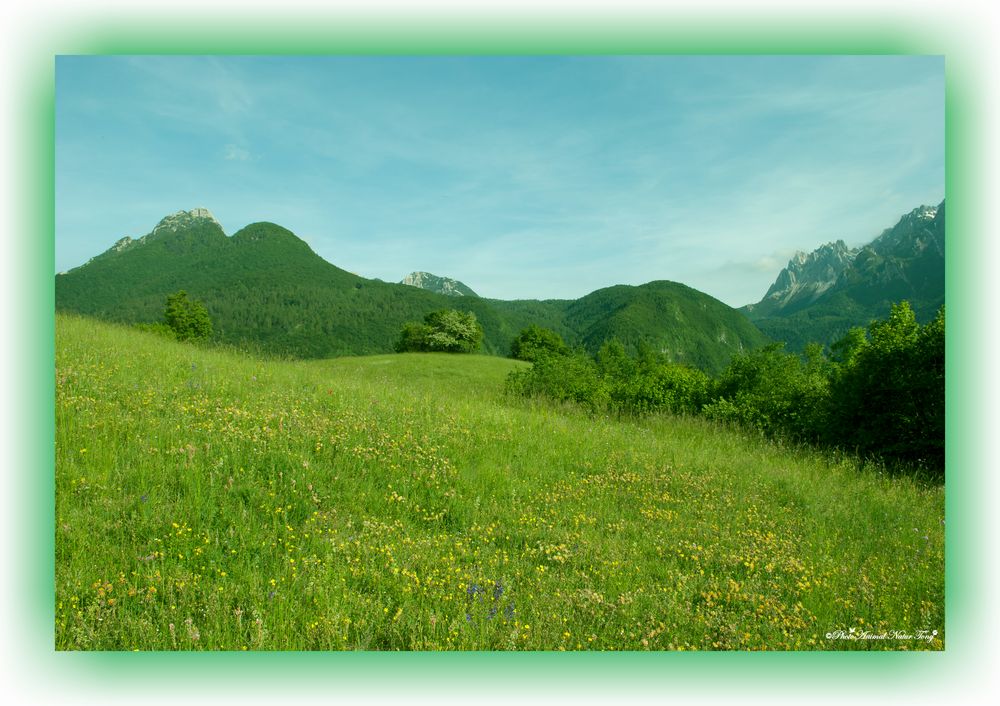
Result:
[{"x": 524, "y": 177}]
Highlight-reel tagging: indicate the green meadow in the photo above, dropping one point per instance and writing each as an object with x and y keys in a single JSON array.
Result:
[{"x": 209, "y": 500}]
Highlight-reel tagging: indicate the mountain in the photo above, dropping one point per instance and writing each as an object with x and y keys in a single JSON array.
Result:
[
  {"x": 686, "y": 325},
  {"x": 806, "y": 278},
  {"x": 820, "y": 296},
  {"x": 265, "y": 289},
  {"x": 440, "y": 285}
]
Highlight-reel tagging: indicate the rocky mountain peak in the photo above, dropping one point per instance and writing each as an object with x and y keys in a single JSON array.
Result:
[
  {"x": 441, "y": 285},
  {"x": 905, "y": 261},
  {"x": 184, "y": 219},
  {"x": 808, "y": 275},
  {"x": 915, "y": 232}
]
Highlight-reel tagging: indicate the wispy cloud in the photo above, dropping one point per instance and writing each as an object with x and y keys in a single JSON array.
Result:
[
  {"x": 524, "y": 177},
  {"x": 236, "y": 153}
]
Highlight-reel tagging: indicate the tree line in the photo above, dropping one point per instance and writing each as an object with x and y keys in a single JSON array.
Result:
[{"x": 878, "y": 392}]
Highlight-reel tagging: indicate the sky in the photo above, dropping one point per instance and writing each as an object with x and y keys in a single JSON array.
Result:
[{"x": 523, "y": 177}]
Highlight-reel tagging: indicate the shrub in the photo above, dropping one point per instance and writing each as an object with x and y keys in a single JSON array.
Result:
[
  {"x": 887, "y": 397},
  {"x": 566, "y": 378},
  {"x": 881, "y": 394},
  {"x": 661, "y": 386},
  {"x": 774, "y": 392},
  {"x": 447, "y": 331},
  {"x": 187, "y": 318},
  {"x": 535, "y": 342}
]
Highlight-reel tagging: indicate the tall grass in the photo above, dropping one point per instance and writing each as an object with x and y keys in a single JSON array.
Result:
[{"x": 208, "y": 500}]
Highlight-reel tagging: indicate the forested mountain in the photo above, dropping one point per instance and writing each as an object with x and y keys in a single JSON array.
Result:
[
  {"x": 266, "y": 289},
  {"x": 684, "y": 324},
  {"x": 820, "y": 296}
]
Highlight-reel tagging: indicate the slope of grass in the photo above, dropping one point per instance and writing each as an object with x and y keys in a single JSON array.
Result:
[{"x": 207, "y": 500}]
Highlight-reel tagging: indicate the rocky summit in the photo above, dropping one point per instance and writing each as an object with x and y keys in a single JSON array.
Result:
[
  {"x": 820, "y": 296},
  {"x": 807, "y": 277},
  {"x": 184, "y": 219},
  {"x": 440, "y": 285}
]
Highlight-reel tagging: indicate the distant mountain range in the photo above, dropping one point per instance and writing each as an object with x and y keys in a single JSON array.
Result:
[
  {"x": 267, "y": 290},
  {"x": 441, "y": 285},
  {"x": 821, "y": 295}
]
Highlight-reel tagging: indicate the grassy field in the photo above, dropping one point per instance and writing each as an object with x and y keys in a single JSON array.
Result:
[{"x": 207, "y": 500}]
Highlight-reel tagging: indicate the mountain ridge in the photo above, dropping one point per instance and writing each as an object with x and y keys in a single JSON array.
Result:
[
  {"x": 819, "y": 296},
  {"x": 265, "y": 288}
]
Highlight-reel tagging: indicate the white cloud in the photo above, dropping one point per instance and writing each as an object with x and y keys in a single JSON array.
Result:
[{"x": 237, "y": 153}]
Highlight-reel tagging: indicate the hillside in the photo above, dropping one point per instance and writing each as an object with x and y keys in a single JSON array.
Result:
[
  {"x": 209, "y": 500},
  {"x": 820, "y": 296},
  {"x": 265, "y": 289},
  {"x": 690, "y": 326}
]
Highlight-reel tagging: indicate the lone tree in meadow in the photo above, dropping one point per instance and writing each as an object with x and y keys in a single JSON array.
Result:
[
  {"x": 446, "y": 331},
  {"x": 187, "y": 318}
]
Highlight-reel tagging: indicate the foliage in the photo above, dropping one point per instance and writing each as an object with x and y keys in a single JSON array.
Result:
[
  {"x": 187, "y": 318},
  {"x": 613, "y": 381},
  {"x": 565, "y": 378},
  {"x": 664, "y": 386},
  {"x": 880, "y": 393},
  {"x": 775, "y": 392},
  {"x": 534, "y": 342},
  {"x": 445, "y": 331},
  {"x": 888, "y": 396}
]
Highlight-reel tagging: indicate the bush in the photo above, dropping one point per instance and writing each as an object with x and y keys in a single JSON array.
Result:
[
  {"x": 447, "y": 331},
  {"x": 535, "y": 342},
  {"x": 881, "y": 394},
  {"x": 413, "y": 337},
  {"x": 567, "y": 378},
  {"x": 774, "y": 392},
  {"x": 663, "y": 386},
  {"x": 187, "y": 318},
  {"x": 887, "y": 396},
  {"x": 613, "y": 381}
]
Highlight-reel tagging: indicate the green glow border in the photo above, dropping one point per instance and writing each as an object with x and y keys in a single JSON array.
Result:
[{"x": 493, "y": 672}]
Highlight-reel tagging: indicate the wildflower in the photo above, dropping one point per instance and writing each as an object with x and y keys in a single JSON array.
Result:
[{"x": 192, "y": 631}]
